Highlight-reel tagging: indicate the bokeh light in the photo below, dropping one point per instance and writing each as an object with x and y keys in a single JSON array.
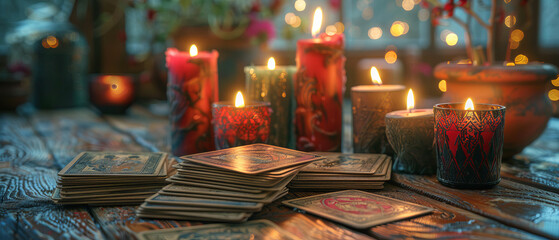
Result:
[
  {"x": 375, "y": 33},
  {"x": 423, "y": 15},
  {"x": 521, "y": 59},
  {"x": 510, "y": 20},
  {"x": 451, "y": 39},
  {"x": 50, "y": 42},
  {"x": 297, "y": 22},
  {"x": 514, "y": 44},
  {"x": 290, "y": 18},
  {"x": 331, "y": 30},
  {"x": 517, "y": 35},
  {"x": 367, "y": 13},
  {"x": 553, "y": 95},
  {"x": 300, "y": 5},
  {"x": 555, "y": 82},
  {"x": 442, "y": 85},
  {"x": 399, "y": 28},
  {"x": 408, "y": 5},
  {"x": 390, "y": 57},
  {"x": 339, "y": 27}
]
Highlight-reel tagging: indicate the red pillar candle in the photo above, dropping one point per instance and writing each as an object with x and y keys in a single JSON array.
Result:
[
  {"x": 192, "y": 87},
  {"x": 240, "y": 124},
  {"x": 319, "y": 87}
]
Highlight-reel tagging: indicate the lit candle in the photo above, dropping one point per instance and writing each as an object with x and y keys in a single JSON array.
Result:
[
  {"x": 410, "y": 133},
  {"x": 112, "y": 93},
  {"x": 370, "y": 105},
  {"x": 241, "y": 124},
  {"x": 469, "y": 144},
  {"x": 192, "y": 87},
  {"x": 319, "y": 88},
  {"x": 273, "y": 84}
]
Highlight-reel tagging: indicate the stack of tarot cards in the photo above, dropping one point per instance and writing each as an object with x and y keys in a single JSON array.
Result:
[
  {"x": 345, "y": 171},
  {"x": 226, "y": 185},
  {"x": 111, "y": 178}
]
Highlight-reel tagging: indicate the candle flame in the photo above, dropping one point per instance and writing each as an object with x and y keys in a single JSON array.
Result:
[
  {"x": 239, "y": 101},
  {"x": 411, "y": 103},
  {"x": 271, "y": 63},
  {"x": 469, "y": 105},
  {"x": 193, "y": 50},
  {"x": 317, "y": 21},
  {"x": 375, "y": 77}
]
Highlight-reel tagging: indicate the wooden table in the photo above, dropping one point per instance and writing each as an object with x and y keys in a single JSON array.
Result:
[{"x": 34, "y": 146}]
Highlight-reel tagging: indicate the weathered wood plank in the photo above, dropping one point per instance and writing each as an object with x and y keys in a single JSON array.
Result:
[
  {"x": 305, "y": 226},
  {"x": 446, "y": 222},
  {"x": 69, "y": 132},
  {"x": 538, "y": 164},
  {"x": 149, "y": 130},
  {"x": 26, "y": 186},
  {"x": 514, "y": 204},
  {"x": 122, "y": 222},
  {"x": 54, "y": 222},
  {"x": 19, "y": 145}
]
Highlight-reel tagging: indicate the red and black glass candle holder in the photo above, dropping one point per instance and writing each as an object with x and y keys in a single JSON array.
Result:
[
  {"x": 237, "y": 126},
  {"x": 469, "y": 144}
]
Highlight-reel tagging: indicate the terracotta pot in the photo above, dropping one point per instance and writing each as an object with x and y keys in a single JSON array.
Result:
[{"x": 521, "y": 88}]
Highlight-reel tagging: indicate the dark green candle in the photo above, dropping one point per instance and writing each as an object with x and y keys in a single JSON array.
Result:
[{"x": 273, "y": 84}]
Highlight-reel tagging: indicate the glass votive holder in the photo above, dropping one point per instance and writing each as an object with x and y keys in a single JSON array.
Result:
[
  {"x": 469, "y": 144},
  {"x": 237, "y": 126},
  {"x": 411, "y": 135}
]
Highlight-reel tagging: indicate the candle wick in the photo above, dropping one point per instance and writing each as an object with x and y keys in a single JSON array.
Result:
[{"x": 410, "y": 110}]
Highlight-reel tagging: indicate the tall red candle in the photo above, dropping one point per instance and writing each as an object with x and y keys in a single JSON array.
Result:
[
  {"x": 192, "y": 87},
  {"x": 319, "y": 86}
]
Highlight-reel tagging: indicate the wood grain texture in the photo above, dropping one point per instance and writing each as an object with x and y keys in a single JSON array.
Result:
[
  {"x": 305, "y": 226},
  {"x": 514, "y": 204},
  {"x": 149, "y": 130},
  {"x": 122, "y": 222},
  {"x": 26, "y": 186},
  {"x": 69, "y": 132},
  {"x": 538, "y": 164},
  {"x": 19, "y": 145},
  {"x": 447, "y": 222},
  {"x": 54, "y": 222}
]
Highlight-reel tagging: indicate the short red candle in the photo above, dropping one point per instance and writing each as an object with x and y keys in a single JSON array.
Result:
[
  {"x": 237, "y": 126},
  {"x": 319, "y": 88},
  {"x": 112, "y": 93},
  {"x": 192, "y": 87}
]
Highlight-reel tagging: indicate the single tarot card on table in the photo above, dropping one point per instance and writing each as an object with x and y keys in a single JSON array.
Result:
[
  {"x": 257, "y": 229},
  {"x": 115, "y": 164},
  {"x": 357, "y": 163},
  {"x": 358, "y": 209},
  {"x": 253, "y": 159}
]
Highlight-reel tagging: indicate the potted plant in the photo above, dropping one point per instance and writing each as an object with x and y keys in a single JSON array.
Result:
[{"x": 520, "y": 86}]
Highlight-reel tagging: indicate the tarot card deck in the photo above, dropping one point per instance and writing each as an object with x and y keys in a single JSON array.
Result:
[
  {"x": 111, "y": 178},
  {"x": 345, "y": 171},
  {"x": 226, "y": 185}
]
